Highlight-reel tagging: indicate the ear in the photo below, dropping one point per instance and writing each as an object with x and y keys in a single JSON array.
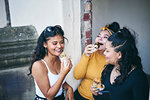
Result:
[
  {"x": 119, "y": 55},
  {"x": 44, "y": 45}
]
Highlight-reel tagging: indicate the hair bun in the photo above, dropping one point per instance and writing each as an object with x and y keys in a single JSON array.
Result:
[{"x": 114, "y": 26}]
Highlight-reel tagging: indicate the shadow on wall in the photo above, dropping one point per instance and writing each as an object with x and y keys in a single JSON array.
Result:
[{"x": 15, "y": 84}]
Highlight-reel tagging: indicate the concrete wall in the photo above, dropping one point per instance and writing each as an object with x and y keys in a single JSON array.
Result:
[
  {"x": 39, "y": 13},
  {"x": 131, "y": 13},
  {"x": 3, "y": 21}
]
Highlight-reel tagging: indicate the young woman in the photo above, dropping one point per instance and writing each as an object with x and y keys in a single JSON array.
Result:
[
  {"x": 47, "y": 68},
  {"x": 123, "y": 77},
  {"x": 91, "y": 64}
]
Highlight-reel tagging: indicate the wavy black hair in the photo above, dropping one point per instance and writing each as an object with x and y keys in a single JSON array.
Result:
[
  {"x": 123, "y": 41},
  {"x": 40, "y": 52}
]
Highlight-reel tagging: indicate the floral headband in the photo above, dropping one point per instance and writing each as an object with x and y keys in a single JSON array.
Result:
[{"x": 106, "y": 28}]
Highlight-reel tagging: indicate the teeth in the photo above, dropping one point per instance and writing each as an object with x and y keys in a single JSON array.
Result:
[{"x": 58, "y": 50}]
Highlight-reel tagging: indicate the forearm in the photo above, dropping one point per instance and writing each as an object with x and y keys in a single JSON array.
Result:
[
  {"x": 51, "y": 93},
  {"x": 66, "y": 86},
  {"x": 69, "y": 91},
  {"x": 81, "y": 67}
]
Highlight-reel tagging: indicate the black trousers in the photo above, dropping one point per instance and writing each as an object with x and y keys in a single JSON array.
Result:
[{"x": 77, "y": 96}]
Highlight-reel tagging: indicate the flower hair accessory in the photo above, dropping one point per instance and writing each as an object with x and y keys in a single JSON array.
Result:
[{"x": 106, "y": 28}]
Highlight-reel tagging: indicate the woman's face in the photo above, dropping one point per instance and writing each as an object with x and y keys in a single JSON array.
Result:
[
  {"x": 55, "y": 45},
  {"x": 102, "y": 38},
  {"x": 111, "y": 56}
]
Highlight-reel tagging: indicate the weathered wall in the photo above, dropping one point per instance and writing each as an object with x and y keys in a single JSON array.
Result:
[
  {"x": 3, "y": 21},
  {"x": 130, "y": 13}
]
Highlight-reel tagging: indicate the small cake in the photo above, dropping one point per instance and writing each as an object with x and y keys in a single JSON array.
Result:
[
  {"x": 97, "y": 84},
  {"x": 64, "y": 58},
  {"x": 96, "y": 46},
  {"x": 63, "y": 55}
]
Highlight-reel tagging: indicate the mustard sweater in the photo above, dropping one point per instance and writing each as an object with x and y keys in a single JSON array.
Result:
[{"x": 87, "y": 69}]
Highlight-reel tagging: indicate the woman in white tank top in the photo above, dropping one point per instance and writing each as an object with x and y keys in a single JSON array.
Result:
[{"x": 47, "y": 68}]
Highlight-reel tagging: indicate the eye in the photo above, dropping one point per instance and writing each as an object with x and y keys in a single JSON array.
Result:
[
  {"x": 106, "y": 50},
  {"x": 54, "y": 43},
  {"x": 62, "y": 42}
]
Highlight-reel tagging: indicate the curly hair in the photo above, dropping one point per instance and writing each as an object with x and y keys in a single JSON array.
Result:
[
  {"x": 40, "y": 51},
  {"x": 123, "y": 41}
]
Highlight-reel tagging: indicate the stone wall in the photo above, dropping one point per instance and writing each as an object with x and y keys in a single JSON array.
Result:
[{"x": 16, "y": 47}]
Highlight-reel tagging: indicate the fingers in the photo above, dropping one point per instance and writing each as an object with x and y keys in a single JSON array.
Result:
[
  {"x": 89, "y": 49},
  {"x": 69, "y": 63},
  {"x": 67, "y": 97},
  {"x": 94, "y": 90}
]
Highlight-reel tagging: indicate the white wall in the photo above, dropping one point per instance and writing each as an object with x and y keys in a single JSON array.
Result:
[
  {"x": 72, "y": 24},
  {"x": 39, "y": 13},
  {"x": 134, "y": 14},
  {"x": 3, "y": 20}
]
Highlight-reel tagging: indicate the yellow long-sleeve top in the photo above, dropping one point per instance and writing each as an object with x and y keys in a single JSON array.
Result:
[{"x": 87, "y": 69}]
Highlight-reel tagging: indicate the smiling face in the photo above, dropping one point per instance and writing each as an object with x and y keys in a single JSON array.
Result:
[
  {"x": 112, "y": 57},
  {"x": 55, "y": 45},
  {"x": 102, "y": 38}
]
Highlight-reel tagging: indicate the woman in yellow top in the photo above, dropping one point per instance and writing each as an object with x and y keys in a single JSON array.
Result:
[{"x": 92, "y": 63}]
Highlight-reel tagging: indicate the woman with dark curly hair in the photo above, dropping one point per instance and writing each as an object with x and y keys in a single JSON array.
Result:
[
  {"x": 92, "y": 62},
  {"x": 47, "y": 68},
  {"x": 123, "y": 77}
]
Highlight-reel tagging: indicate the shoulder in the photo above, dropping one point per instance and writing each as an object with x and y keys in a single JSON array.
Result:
[{"x": 38, "y": 67}]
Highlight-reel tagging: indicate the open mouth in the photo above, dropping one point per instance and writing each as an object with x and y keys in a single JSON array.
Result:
[{"x": 100, "y": 43}]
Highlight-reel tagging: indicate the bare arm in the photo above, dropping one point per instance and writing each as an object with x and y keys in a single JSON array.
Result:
[{"x": 69, "y": 91}]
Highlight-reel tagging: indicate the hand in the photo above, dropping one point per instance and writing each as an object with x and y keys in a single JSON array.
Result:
[
  {"x": 89, "y": 49},
  {"x": 65, "y": 69},
  {"x": 69, "y": 94},
  {"x": 94, "y": 90}
]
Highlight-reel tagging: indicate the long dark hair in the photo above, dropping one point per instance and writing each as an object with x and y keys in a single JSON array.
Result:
[
  {"x": 123, "y": 41},
  {"x": 40, "y": 51}
]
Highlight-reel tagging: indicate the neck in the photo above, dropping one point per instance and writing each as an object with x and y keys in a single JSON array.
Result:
[
  {"x": 101, "y": 52},
  {"x": 51, "y": 59}
]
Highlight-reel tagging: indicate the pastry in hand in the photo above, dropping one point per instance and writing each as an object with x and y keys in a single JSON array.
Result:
[
  {"x": 96, "y": 46},
  {"x": 97, "y": 84},
  {"x": 64, "y": 58}
]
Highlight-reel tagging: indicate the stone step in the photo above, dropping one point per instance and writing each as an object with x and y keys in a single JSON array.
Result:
[
  {"x": 17, "y": 47},
  {"x": 13, "y": 63},
  {"x": 14, "y": 55}
]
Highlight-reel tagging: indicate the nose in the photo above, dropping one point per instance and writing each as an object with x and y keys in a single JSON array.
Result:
[
  {"x": 105, "y": 52},
  {"x": 59, "y": 45},
  {"x": 99, "y": 38}
]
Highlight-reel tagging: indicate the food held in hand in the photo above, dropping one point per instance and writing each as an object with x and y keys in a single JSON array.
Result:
[
  {"x": 98, "y": 85},
  {"x": 64, "y": 57},
  {"x": 96, "y": 46}
]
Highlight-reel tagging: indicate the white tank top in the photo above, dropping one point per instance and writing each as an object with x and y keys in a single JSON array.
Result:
[{"x": 52, "y": 79}]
